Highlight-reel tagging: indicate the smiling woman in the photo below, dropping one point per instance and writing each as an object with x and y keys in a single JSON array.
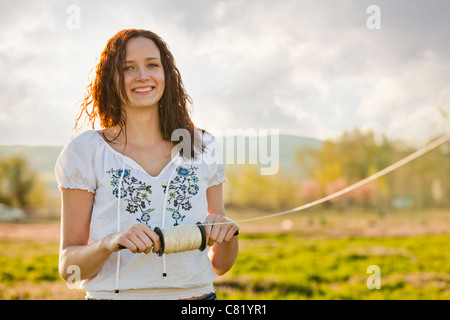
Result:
[
  {"x": 123, "y": 182},
  {"x": 148, "y": 61}
]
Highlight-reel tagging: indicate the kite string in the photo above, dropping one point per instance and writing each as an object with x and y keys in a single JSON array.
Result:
[
  {"x": 432, "y": 145},
  {"x": 191, "y": 237}
]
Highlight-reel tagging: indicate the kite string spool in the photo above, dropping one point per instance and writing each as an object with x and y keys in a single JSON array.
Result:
[{"x": 181, "y": 238}]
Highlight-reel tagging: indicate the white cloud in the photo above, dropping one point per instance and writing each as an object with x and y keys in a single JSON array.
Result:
[
  {"x": 422, "y": 124},
  {"x": 309, "y": 67}
]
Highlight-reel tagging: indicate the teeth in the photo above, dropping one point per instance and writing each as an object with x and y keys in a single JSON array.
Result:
[{"x": 142, "y": 89}]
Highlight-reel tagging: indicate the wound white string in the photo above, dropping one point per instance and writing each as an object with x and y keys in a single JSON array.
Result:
[{"x": 181, "y": 238}]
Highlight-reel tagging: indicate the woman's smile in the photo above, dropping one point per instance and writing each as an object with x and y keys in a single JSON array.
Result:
[{"x": 142, "y": 90}]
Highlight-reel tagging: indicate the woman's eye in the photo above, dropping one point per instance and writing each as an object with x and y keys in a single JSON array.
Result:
[
  {"x": 153, "y": 65},
  {"x": 127, "y": 68}
]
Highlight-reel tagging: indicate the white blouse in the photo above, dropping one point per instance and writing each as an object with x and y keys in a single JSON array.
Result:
[{"x": 125, "y": 194}]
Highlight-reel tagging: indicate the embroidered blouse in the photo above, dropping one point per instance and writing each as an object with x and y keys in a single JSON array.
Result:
[{"x": 125, "y": 194}]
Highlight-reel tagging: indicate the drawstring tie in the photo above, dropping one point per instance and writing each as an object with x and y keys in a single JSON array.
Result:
[
  {"x": 163, "y": 221},
  {"x": 119, "y": 195}
]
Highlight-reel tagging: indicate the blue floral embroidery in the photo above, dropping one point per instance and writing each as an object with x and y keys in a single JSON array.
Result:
[
  {"x": 182, "y": 171},
  {"x": 193, "y": 189},
  {"x": 123, "y": 193},
  {"x": 181, "y": 189},
  {"x": 136, "y": 193},
  {"x": 146, "y": 215}
]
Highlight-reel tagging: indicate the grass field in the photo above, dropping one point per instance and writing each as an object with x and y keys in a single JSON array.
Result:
[
  {"x": 322, "y": 256},
  {"x": 290, "y": 267}
]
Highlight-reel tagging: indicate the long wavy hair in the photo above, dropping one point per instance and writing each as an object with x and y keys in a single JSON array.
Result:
[{"x": 103, "y": 102}]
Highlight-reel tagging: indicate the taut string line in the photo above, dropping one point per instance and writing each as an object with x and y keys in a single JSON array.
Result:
[
  {"x": 432, "y": 145},
  {"x": 191, "y": 237}
]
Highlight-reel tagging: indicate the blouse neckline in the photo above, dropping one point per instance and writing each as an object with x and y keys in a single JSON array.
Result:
[{"x": 135, "y": 164}]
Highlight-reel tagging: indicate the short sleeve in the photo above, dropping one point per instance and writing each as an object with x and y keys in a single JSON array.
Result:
[
  {"x": 218, "y": 177},
  {"x": 74, "y": 167},
  {"x": 215, "y": 160}
]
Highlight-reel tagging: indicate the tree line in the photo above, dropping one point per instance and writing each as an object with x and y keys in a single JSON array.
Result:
[
  {"x": 340, "y": 162},
  {"x": 20, "y": 186}
]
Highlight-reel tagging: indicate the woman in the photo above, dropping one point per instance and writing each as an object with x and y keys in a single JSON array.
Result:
[{"x": 121, "y": 182}]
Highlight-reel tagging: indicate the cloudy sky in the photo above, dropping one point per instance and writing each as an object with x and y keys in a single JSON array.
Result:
[{"x": 311, "y": 68}]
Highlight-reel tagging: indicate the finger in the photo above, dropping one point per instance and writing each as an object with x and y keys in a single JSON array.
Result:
[
  {"x": 135, "y": 235},
  {"x": 214, "y": 234},
  {"x": 227, "y": 231},
  {"x": 125, "y": 243},
  {"x": 231, "y": 232},
  {"x": 132, "y": 242},
  {"x": 154, "y": 238},
  {"x": 221, "y": 235},
  {"x": 146, "y": 240},
  {"x": 140, "y": 245},
  {"x": 223, "y": 231}
]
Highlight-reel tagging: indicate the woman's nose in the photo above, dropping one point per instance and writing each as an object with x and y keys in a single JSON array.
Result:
[{"x": 142, "y": 75}]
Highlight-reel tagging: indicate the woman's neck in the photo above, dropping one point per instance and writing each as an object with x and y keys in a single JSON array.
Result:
[{"x": 142, "y": 128}]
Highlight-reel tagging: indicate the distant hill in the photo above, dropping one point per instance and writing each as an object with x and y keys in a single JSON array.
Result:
[
  {"x": 42, "y": 158},
  {"x": 289, "y": 145}
]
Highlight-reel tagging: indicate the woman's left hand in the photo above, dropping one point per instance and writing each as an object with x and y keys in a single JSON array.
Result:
[{"x": 219, "y": 232}]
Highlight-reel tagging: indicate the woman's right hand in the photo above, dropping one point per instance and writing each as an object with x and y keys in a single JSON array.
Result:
[{"x": 137, "y": 238}]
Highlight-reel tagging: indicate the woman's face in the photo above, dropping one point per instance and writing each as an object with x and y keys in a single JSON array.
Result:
[{"x": 143, "y": 73}]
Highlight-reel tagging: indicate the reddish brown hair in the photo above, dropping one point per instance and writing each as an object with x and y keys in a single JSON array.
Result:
[{"x": 103, "y": 102}]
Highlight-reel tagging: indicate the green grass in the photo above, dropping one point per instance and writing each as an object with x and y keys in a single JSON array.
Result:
[
  {"x": 29, "y": 270},
  {"x": 287, "y": 267},
  {"x": 271, "y": 266},
  {"x": 28, "y": 261}
]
